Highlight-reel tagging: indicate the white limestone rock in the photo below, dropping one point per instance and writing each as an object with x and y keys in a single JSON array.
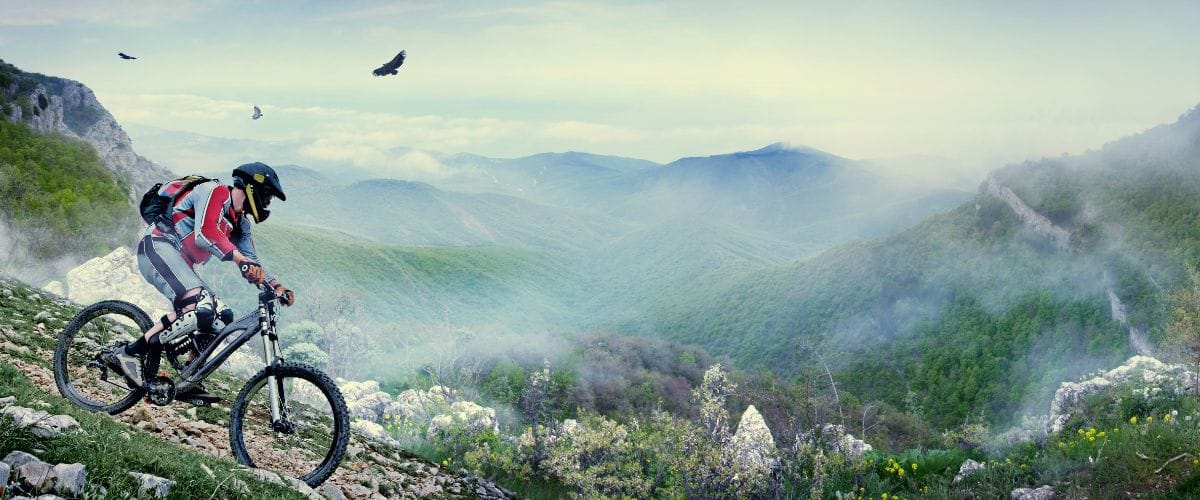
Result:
[
  {"x": 69, "y": 479},
  {"x": 966, "y": 469},
  {"x": 374, "y": 432},
  {"x": 115, "y": 276},
  {"x": 416, "y": 404},
  {"x": 753, "y": 446},
  {"x": 1151, "y": 375},
  {"x": 364, "y": 399},
  {"x": 55, "y": 287},
  {"x": 1043, "y": 493},
  {"x": 466, "y": 417},
  {"x": 152, "y": 485},
  {"x": 837, "y": 439}
]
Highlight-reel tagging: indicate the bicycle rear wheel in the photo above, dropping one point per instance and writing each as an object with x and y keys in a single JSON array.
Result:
[
  {"x": 78, "y": 372},
  {"x": 310, "y": 437}
]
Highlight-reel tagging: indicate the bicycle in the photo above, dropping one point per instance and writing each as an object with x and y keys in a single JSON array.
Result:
[{"x": 302, "y": 406}]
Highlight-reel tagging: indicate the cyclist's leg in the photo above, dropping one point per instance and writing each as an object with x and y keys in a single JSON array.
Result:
[{"x": 161, "y": 264}]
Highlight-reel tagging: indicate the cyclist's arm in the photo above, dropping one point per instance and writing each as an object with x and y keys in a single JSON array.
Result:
[{"x": 245, "y": 245}]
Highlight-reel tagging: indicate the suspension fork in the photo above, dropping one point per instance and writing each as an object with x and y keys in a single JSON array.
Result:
[{"x": 266, "y": 325}]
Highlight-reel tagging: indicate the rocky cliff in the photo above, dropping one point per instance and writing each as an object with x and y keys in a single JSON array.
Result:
[{"x": 49, "y": 104}]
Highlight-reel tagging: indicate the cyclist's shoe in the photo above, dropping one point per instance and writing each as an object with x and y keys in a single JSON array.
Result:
[
  {"x": 198, "y": 396},
  {"x": 128, "y": 365}
]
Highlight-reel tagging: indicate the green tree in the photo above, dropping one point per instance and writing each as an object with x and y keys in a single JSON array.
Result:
[{"x": 1181, "y": 340}]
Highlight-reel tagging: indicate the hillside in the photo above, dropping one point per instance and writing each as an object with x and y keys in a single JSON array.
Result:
[
  {"x": 53, "y": 105},
  {"x": 180, "y": 443},
  {"x": 491, "y": 287},
  {"x": 979, "y": 310}
]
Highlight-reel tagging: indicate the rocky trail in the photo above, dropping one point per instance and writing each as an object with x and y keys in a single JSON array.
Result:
[{"x": 371, "y": 469}]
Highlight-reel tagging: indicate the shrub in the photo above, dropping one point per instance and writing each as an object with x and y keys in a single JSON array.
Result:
[{"x": 308, "y": 354}]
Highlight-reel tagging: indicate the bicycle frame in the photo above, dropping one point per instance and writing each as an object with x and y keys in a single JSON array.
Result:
[{"x": 261, "y": 322}]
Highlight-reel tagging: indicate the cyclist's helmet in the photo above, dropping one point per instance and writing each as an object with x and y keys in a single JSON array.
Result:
[{"x": 261, "y": 184}]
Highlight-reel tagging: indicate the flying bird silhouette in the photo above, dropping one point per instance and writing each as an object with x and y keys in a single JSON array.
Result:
[
  {"x": 125, "y": 56},
  {"x": 390, "y": 67},
  {"x": 257, "y": 113}
]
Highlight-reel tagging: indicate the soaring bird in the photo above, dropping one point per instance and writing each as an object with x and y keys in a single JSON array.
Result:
[
  {"x": 390, "y": 67},
  {"x": 257, "y": 113},
  {"x": 125, "y": 56}
]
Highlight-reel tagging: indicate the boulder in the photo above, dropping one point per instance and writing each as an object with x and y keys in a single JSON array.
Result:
[
  {"x": 69, "y": 479},
  {"x": 364, "y": 399},
  {"x": 152, "y": 485},
  {"x": 114, "y": 276},
  {"x": 466, "y": 417},
  {"x": 1153, "y": 377},
  {"x": 18, "y": 458},
  {"x": 44, "y": 425},
  {"x": 35, "y": 476},
  {"x": 55, "y": 425},
  {"x": 373, "y": 432},
  {"x": 1043, "y": 493},
  {"x": 966, "y": 469},
  {"x": 420, "y": 405},
  {"x": 837, "y": 439},
  {"x": 753, "y": 446},
  {"x": 56, "y": 288},
  {"x": 5, "y": 474}
]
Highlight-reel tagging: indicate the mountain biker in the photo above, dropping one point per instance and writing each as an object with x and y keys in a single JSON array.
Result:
[{"x": 213, "y": 219}]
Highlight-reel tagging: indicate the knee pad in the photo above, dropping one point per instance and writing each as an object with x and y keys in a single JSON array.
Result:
[
  {"x": 211, "y": 314},
  {"x": 184, "y": 324}
]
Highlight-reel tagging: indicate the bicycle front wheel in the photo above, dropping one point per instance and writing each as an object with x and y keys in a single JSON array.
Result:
[
  {"x": 78, "y": 372},
  {"x": 307, "y": 437}
]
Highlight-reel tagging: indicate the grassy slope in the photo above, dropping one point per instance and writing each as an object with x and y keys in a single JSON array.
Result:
[
  {"x": 57, "y": 192},
  {"x": 108, "y": 448}
]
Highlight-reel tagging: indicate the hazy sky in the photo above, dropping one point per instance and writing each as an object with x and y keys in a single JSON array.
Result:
[{"x": 990, "y": 81}]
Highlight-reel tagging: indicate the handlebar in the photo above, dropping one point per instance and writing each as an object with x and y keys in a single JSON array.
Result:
[{"x": 266, "y": 293}]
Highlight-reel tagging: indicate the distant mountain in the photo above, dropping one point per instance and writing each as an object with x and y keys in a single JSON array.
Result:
[
  {"x": 555, "y": 178},
  {"x": 797, "y": 194},
  {"x": 414, "y": 213},
  {"x": 1054, "y": 268}
]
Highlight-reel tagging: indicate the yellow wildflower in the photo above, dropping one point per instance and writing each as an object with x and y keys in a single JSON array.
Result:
[
  {"x": 1102, "y": 434},
  {"x": 914, "y": 466},
  {"x": 1167, "y": 418},
  {"x": 900, "y": 472},
  {"x": 1149, "y": 418},
  {"x": 1133, "y": 420}
]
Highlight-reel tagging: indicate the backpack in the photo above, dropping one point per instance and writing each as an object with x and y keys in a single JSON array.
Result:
[{"x": 155, "y": 206}]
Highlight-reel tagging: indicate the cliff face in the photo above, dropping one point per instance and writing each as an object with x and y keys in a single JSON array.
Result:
[{"x": 56, "y": 105}]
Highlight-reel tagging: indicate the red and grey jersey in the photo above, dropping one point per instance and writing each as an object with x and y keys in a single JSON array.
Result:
[{"x": 206, "y": 223}]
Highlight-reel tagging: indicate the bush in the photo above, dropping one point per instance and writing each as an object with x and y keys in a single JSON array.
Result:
[{"x": 308, "y": 354}]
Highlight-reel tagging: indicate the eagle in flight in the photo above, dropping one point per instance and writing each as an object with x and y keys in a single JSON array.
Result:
[
  {"x": 125, "y": 56},
  {"x": 390, "y": 67},
  {"x": 257, "y": 113}
]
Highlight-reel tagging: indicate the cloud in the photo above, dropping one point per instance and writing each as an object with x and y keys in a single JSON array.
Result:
[
  {"x": 127, "y": 13},
  {"x": 173, "y": 108},
  {"x": 386, "y": 11}
]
